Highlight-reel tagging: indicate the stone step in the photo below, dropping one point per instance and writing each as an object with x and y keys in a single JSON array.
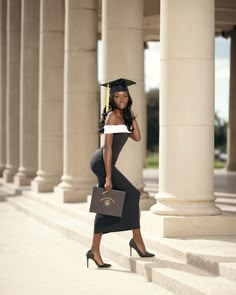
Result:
[
  {"x": 169, "y": 273},
  {"x": 76, "y": 230},
  {"x": 151, "y": 185},
  {"x": 77, "y": 210},
  {"x": 165, "y": 246},
  {"x": 227, "y": 209},
  {"x": 184, "y": 250},
  {"x": 7, "y": 190},
  {"x": 226, "y": 201},
  {"x": 225, "y": 195},
  {"x": 12, "y": 189}
]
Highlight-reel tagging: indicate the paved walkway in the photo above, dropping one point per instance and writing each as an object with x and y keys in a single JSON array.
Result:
[{"x": 36, "y": 260}]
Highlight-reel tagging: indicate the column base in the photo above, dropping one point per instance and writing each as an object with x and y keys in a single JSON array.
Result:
[
  {"x": 66, "y": 195},
  {"x": 185, "y": 208},
  {"x": 43, "y": 185},
  {"x": 21, "y": 179},
  {"x": 231, "y": 167},
  {"x": 146, "y": 202},
  {"x": 188, "y": 226},
  {"x": 8, "y": 175},
  {"x": 2, "y": 168}
]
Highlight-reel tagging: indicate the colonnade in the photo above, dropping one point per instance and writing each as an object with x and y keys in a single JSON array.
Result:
[
  {"x": 50, "y": 106},
  {"x": 49, "y": 89}
]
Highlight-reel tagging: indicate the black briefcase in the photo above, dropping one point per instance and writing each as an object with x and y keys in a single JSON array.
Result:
[{"x": 110, "y": 203}]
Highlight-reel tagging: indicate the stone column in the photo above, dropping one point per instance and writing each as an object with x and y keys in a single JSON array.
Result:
[
  {"x": 12, "y": 90},
  {"x": 231, "y": 138},
  {"x": 51, "y": 67},
  {"x": 123, "y": 57},
  {"x": 186, "y": 109},
  {"x": 29, "y": 92},
  {"x": 3, "y": 42},
  {"x": 80, "y": 100}
]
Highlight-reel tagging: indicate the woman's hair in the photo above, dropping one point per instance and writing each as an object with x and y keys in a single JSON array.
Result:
[{"x": 112, "y": 105}]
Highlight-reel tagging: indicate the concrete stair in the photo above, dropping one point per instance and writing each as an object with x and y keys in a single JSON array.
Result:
[
  {"x": 11, "y": 189},
  {"x": 226, "y": 201},
  {"x": 176, "y": 268}
]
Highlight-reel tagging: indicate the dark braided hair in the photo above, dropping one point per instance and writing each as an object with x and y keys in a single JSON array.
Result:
[{"x": 126, "y": 115}]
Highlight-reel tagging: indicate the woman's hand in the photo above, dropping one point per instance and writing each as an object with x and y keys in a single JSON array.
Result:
[
  {"x": 135, "y": 134},
  {"x": 132, "y": 113},
  {"x": 107, "y": 186}
]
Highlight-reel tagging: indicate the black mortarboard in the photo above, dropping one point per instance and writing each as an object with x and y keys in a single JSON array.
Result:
[
  {"x": 115, "y": 86},
  {"x": 119, "y": 84}
]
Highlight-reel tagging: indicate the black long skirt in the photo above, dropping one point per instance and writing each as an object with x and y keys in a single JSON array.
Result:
[{"x": 131, "y": 215}]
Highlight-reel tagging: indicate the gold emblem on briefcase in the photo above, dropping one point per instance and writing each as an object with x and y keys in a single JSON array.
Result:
[{"x": 107, "y": 201}]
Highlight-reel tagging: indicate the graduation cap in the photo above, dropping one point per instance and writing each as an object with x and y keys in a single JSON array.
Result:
[{"x": 115, "y": 86}]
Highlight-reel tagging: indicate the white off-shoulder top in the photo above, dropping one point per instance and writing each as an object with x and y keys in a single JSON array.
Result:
[{"x": 116, "y": 129}]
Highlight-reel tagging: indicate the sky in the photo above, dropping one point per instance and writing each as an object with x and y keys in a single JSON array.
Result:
[{"x": 222, "y": 58}]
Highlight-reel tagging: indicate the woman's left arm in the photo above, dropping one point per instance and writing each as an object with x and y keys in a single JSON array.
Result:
[{"x": 135, "y": 134}]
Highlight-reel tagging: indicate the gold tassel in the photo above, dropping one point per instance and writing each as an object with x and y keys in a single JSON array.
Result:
[{"x": 107, "y": 98}]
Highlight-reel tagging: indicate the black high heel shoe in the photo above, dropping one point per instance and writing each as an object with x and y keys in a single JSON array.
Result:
[
  {"x": 133, "y": 245},
  {"x": 90, "y": 255}
]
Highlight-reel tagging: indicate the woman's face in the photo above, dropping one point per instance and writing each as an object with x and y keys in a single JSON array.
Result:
[{"x": 121, "y": 99}]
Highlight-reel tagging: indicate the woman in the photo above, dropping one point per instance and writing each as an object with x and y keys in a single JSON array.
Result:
[{"x": 118, "y": 124}]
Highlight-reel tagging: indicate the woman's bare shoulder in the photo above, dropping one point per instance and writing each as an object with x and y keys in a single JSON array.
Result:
[{"x": 111, "y": 119}]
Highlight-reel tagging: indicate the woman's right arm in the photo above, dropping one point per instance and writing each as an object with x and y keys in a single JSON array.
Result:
[
  {"x": 107, "y": 153},
  {"x": 107, "y": 157}
]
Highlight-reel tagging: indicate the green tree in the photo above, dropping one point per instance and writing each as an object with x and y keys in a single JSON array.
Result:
[
  {"x": 220, "y": 133},
  {"x": 153, "y": 120}
]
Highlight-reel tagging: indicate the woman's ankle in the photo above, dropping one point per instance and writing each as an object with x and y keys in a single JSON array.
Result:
[{"x": 95, "y": 250}]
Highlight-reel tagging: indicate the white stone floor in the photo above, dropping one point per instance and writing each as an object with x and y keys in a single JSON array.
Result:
[{"x": 36, "y": 260}]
